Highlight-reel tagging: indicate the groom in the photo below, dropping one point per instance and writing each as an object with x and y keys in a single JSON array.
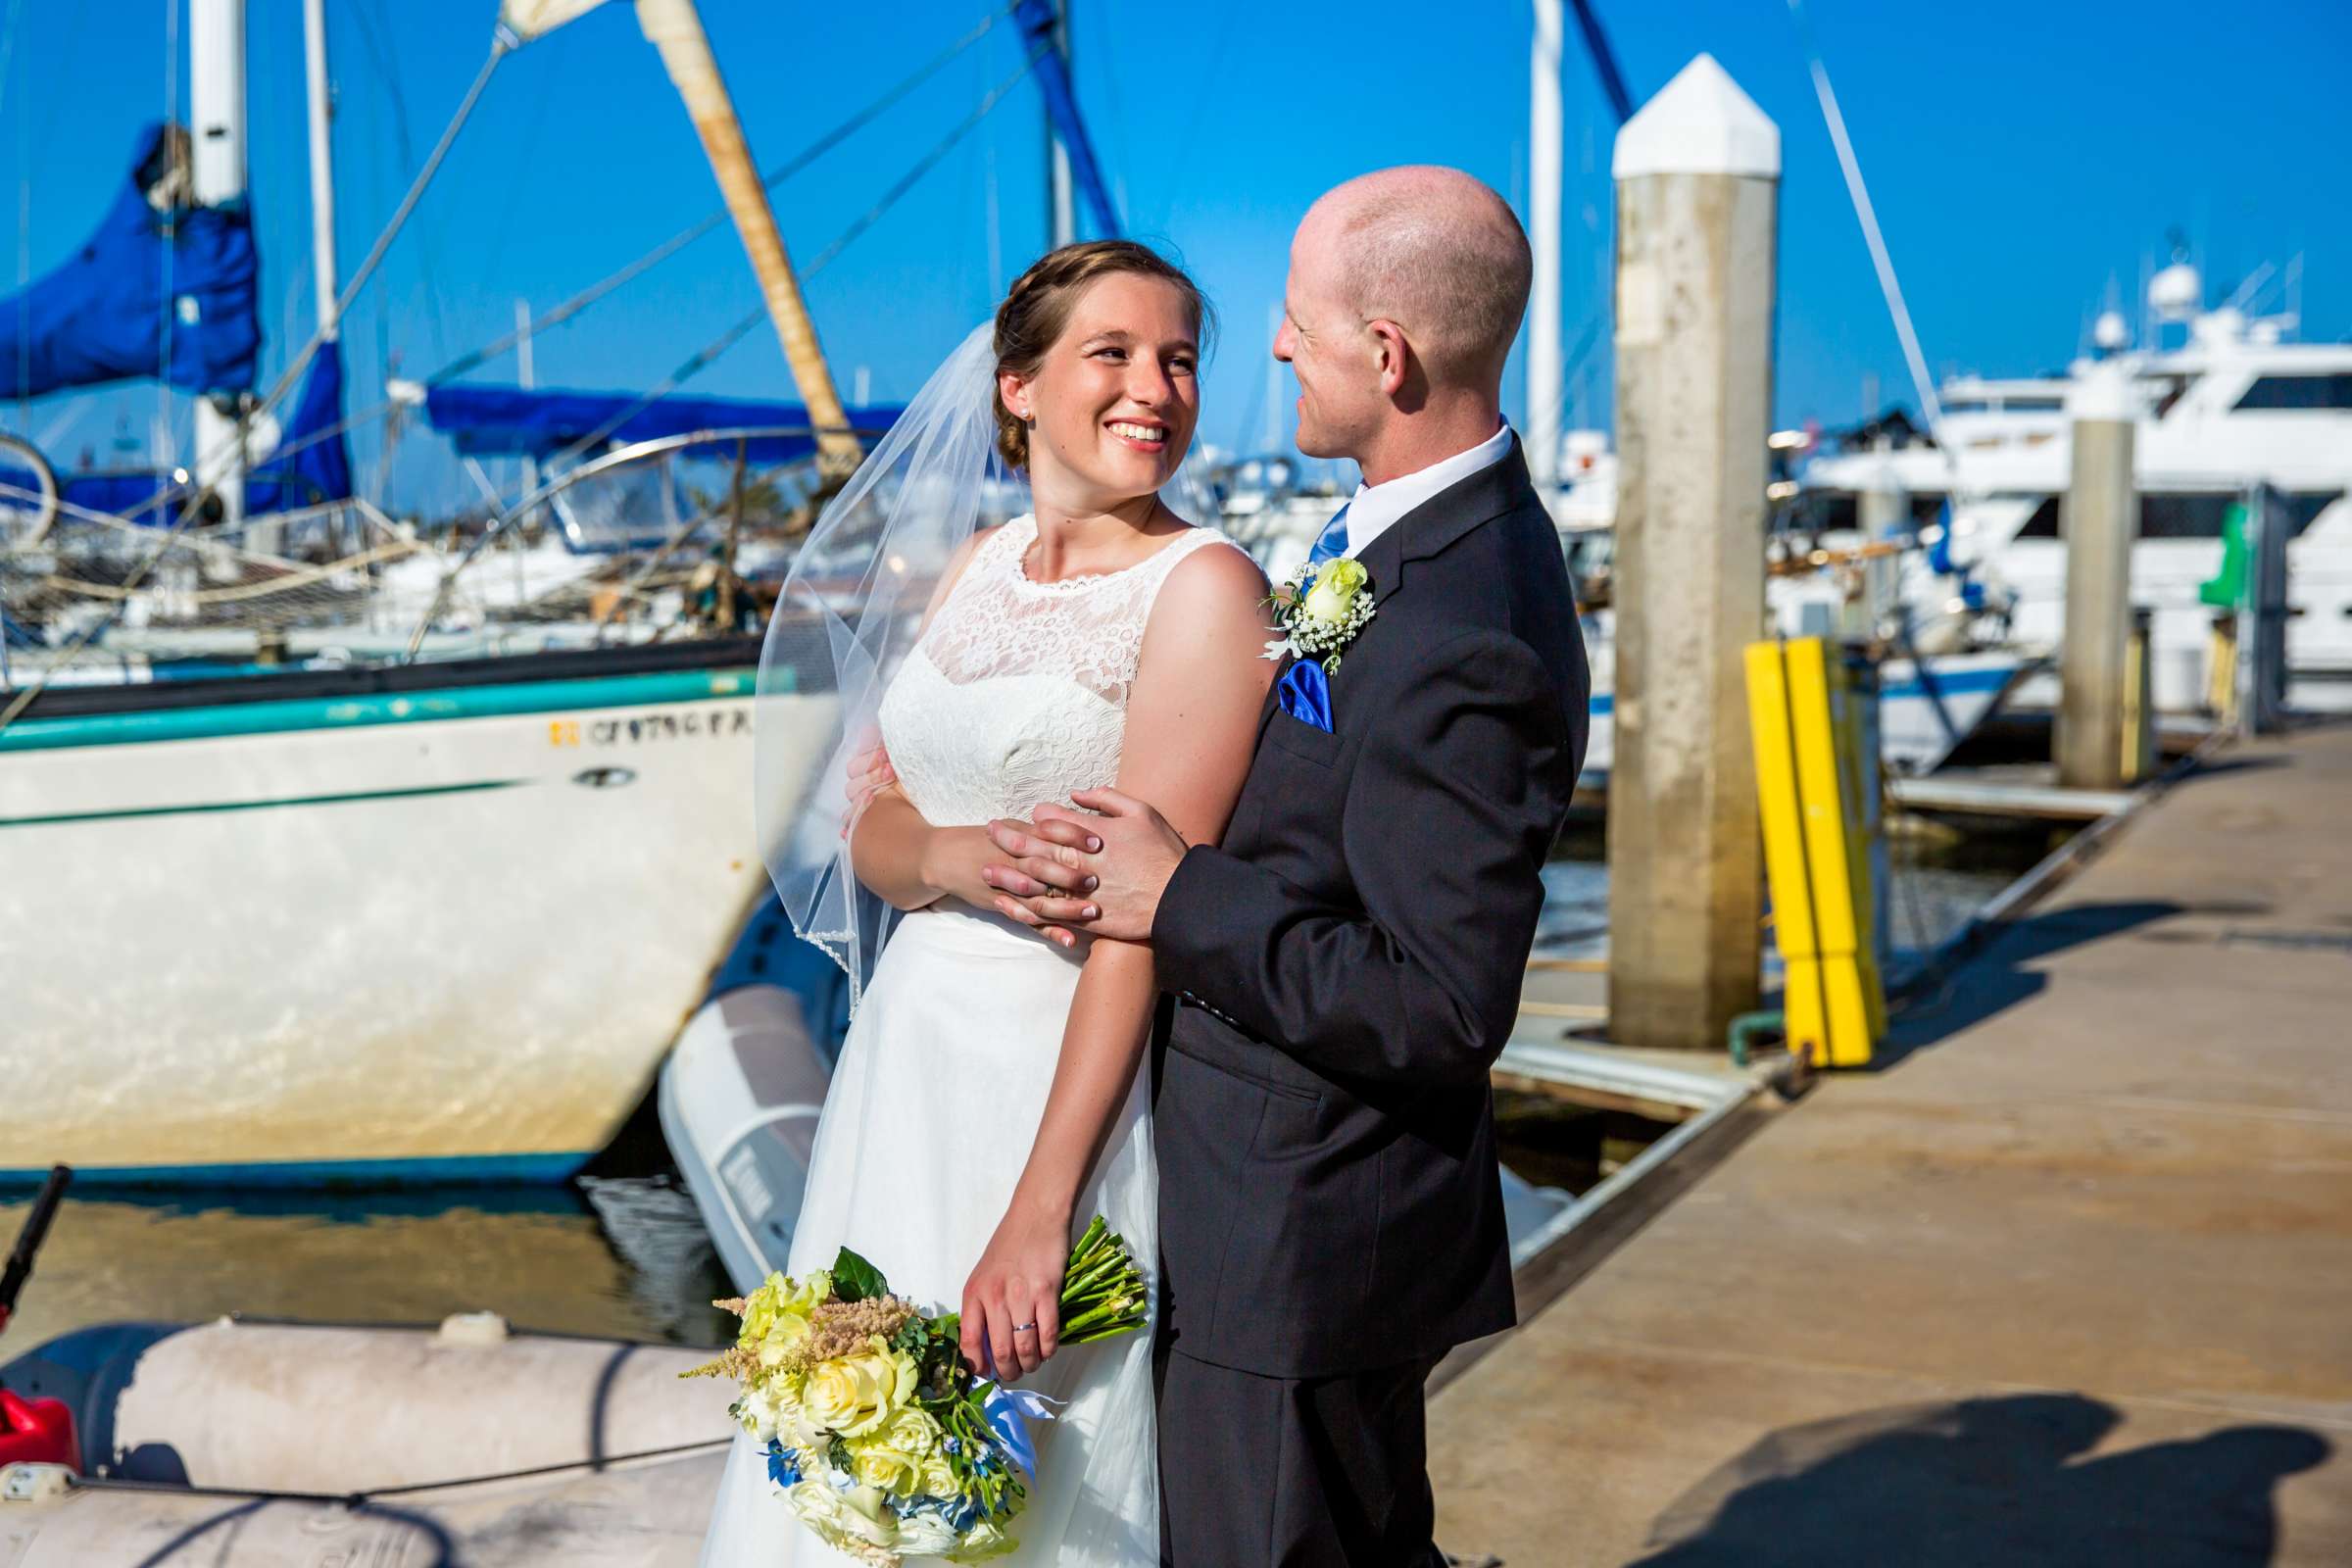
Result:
[{"x": 1346, "y": 964}]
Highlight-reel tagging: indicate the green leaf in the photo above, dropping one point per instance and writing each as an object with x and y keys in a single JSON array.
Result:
[{"x": 857, "y": 1280}]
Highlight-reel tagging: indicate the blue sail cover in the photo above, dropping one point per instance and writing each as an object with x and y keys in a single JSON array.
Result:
[
  {"x": 520, "y": 421},
  {"x": 310, "y": 465},
  {"x": 102, "y": 317},
  {"x": 315, "y": 466}
]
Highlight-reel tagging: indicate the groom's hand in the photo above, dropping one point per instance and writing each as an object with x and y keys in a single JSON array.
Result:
[
  {"x": 1102, "y": 875},
  {"x": 868, "y": 774}
]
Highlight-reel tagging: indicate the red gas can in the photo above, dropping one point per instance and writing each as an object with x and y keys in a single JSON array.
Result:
[{"x": 36, "y": 1432}]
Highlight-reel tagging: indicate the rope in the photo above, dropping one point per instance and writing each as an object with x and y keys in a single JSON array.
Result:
[
  {"x": 361, "y": 1498},
  {"x": 286, "y": 582}
]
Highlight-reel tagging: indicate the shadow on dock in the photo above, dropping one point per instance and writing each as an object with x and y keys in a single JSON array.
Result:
[
  {"x": 2004, "y": 975},
  {"x": 1999, "y": 1479}
]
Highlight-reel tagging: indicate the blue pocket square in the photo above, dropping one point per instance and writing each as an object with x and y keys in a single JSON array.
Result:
[{"x": 1305, "y": 693}]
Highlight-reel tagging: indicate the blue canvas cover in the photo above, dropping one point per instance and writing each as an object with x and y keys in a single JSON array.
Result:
[
  {"x": 515, "y": 421},
  {"x": 312, "y": 467},
  {"x": 102, "y": 317},
  {"x": 311, "y": 470}
]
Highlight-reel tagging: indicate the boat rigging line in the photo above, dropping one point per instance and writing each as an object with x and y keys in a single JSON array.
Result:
[
  {"x": 501, "y": 46},
  {"x": 1956, "y": 487},
  {"x": 1859, "y": 194},
  {"x": 710, "y": 352},
  {"x": 561, "y": 314},
  {"x": 362, "y": 1498},
  {"x": 693, "y": 366}
]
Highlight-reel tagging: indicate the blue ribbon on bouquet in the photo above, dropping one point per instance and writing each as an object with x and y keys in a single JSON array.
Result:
[{"x": 1010, "y": 1413}]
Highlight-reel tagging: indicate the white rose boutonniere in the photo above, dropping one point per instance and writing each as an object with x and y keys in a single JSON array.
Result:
[{"x": 1320, "y": 610}]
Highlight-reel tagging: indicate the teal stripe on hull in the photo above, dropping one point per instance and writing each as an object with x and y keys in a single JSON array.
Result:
[
  {"x": 210, "y": 806},
  {"x": 453, "y": 1170},
  {"x": 384, "y": 708}
]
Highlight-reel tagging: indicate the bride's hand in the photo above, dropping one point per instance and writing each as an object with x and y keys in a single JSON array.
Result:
[{"x": 1012, "y": 1302}]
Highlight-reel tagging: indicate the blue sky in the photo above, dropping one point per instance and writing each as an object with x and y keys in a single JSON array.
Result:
[{"x": 2026, "y": 160}]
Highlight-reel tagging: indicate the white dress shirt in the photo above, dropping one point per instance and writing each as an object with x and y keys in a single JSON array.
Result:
[{"x": 1375, "y": 507}]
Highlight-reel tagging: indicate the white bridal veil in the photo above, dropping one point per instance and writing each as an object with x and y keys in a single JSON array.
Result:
[{"x": 849, "y": 614}]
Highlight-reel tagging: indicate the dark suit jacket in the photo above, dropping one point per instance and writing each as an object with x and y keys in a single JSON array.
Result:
[{"x": 1348, "y": 965}]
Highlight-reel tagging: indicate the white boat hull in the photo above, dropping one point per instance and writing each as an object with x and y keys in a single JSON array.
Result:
[{"x": 419, "y": 949}]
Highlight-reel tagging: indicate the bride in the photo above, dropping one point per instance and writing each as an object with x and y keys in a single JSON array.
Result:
[{"x": 989, "y": 1099}]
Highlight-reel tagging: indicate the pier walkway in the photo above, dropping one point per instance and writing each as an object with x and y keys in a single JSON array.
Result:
[{"x": 2068, "y": 1282}]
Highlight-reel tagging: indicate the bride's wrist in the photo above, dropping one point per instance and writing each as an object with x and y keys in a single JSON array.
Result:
[
  {"x": 944, "y": 865},
  {"x": 1032, "y": 1206}
]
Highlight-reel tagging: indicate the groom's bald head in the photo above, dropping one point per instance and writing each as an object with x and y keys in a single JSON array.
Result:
[{"x": 1438, "y": 253}]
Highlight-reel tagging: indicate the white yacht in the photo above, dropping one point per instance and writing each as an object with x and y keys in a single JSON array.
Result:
[{"x": 2227, "y": 401}]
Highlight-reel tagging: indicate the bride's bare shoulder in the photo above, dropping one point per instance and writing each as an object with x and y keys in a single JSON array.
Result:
[
  {"x": 1213, "y": 605},
  {"x": 1217, "y": 573}
]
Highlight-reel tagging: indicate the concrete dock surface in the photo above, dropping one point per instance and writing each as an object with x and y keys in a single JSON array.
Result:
[{"x": 2068, "y": 1280}]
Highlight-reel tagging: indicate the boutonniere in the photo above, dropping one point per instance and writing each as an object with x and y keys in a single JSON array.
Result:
[{"x": 1320, "y": 610}]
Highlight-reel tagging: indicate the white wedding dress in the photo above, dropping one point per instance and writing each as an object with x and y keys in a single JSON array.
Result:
[{"x": 1016, "y": 695}]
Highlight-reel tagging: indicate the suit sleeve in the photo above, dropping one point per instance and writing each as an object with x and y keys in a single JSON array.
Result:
[{"x": 1450, "y": 811}]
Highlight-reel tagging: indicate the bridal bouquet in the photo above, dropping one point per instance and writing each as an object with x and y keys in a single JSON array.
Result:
[{"x": 883, "y": 1440}]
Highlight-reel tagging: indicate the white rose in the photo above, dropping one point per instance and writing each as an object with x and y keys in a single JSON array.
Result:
[
  {"x": 1334, "y": 593},
  {"x": 926, "y": 1534},
  {"x": 867, "y": 1514}
]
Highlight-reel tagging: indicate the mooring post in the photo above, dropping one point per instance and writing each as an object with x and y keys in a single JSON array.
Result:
[
  {"x": 1697, "y": 174},
  {"x": 2097, "y": 521},
  {"x": 1883, "y": 513}
]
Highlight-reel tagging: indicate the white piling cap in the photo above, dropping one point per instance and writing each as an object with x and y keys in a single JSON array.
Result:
[
  {"x": 1698, "y": 124},
  {"x": 2103, "y": 391}
]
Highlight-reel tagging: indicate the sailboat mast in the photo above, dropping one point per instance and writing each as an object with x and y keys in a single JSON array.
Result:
[
  {"x": 675, "y": 29},
  {"x": 322, "y": 167},
  {"x": 217, "y": 103},
  {"x": 1543, "y": 373},
  {"x": 1062, "y": 210}
]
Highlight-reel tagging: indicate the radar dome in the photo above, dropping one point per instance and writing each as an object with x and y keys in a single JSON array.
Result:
[
  {"x": 2177, "y": 292},
  {"x": 2111, "y": 331}
]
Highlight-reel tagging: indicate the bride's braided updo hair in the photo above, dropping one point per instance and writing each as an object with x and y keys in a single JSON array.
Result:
[{"x": 1037, "y": 308}]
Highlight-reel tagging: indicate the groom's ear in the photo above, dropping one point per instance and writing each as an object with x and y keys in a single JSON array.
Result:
[{"x": 1392, "y": 354}]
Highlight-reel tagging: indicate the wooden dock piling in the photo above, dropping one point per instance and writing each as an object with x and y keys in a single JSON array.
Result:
[{"x": 1697, "y": 174}]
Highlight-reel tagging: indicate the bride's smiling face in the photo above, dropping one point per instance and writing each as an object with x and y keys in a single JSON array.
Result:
[{"x": 1116, "y": 396}]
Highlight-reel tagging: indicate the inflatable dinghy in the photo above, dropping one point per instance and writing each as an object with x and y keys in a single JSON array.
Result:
[
  {"x": 739, "y": 1100},
  {"x": 289, "y": 1445}
]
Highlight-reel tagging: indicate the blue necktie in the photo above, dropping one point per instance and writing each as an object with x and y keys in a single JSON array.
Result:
[{"x": 1332, "y": 542}]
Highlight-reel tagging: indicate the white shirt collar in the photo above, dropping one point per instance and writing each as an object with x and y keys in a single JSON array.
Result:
[{"x": 1374, "y": 509}]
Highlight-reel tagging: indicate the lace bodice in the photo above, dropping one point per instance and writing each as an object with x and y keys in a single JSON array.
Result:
[{"x": 1017, "y": 693}]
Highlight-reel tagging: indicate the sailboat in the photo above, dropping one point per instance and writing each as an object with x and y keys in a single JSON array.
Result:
[{"x": 337, "y": 914}]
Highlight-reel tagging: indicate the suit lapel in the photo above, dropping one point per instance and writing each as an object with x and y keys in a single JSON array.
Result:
[
  {"x": 1417, "y": 535},
  {"x": 1273, "y": 702}
]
